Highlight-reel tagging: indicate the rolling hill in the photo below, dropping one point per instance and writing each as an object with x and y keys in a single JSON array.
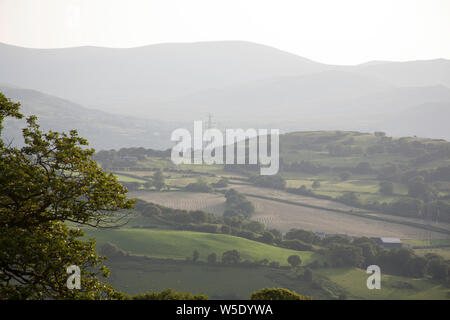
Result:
[
  {"x": 410, "y": 73},
  {"x": 241, "y": 84},
  {"x": 137, "y": 78},
  {"x": 181, "y": 244},
  {"x": 103, "y": 130},
  {"x": 282, "y": 98}
]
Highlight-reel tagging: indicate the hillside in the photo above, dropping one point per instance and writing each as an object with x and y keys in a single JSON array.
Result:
[
  {"x": 410, "y": 73},
  {"x": 102, "y": 130},
  {"x": 372, "y": 174},
  {"x": 241, "y": 84},
  {"x": 280, "y": 99},
  {"x": 181, "y": 244},
  {"x": 112, "y": 79}
]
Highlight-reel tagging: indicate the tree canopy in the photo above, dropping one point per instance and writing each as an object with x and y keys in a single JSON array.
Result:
[
  {"x": 48, "y": 188},
  {"x": 277, "y": 294}
]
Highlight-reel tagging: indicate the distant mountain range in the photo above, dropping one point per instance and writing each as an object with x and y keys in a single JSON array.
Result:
[
  {"x": 103, "y": 130},
  {"x": 118, "y": 79},
  {"x": 240, "y": 83}
]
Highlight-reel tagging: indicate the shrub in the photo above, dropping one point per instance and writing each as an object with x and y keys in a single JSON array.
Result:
[
  {"x": 277, "y": 294},
  {"x": 212, "y": 258},
  {"x": 231, "y": 257},
  {"x": 294, "y": 261},
  {"x": 296, "y": 245},
  {"x": 169, "y": 294}
]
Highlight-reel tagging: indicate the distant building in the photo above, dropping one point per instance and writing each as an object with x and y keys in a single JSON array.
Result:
[
  {"x": 389, "y": 242},
  {"x": 321, "y": 235}
]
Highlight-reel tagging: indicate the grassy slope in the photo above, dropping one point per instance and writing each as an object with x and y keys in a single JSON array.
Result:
[
  {"x": 366, "y": 186},
  {"x": 181, "y": 244},
  {"x": 216, "y": 282},
  {"x": 219, "y": 282},
  {"x": 296, "y": 147},
  {"x": 354, "y": 281}
]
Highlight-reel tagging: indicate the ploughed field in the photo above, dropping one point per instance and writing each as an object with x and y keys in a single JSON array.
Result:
[
  {"x": 208, "y": 202},
  {"x": 275, "y": 213}
]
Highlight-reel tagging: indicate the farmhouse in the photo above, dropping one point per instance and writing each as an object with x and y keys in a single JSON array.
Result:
[{"x": 389, "y": 242}]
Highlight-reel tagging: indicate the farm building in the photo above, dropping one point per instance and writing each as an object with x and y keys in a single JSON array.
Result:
[
  {"x": 321, "y": 235},
  {"x": 389, "y": 242}
]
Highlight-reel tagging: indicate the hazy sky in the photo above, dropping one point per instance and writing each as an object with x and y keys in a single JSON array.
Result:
[{"x": 331, "y": 31}]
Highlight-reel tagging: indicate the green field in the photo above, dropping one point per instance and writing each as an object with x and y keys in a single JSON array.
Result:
[
  {"x": 367, "y": 160},
  {"x": 354, "y": 281},
  {"x": 181, "y": 244},
  {"x": 229, "y": 282},
  {"x": 217, "y": 282},
  {"x": 123, "y": 178},
  {"x": 443, "y": 252}
]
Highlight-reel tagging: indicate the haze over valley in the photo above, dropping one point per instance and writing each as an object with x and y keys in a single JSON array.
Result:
[{"x": 241, "y": 84}]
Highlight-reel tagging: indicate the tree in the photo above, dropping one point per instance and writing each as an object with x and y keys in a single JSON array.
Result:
[
  {"x": 349, "y": 198},
  {"x": 212, "y": 258},
  {"x": 199, "y": 186},
  {"x": 294, "y": 261},
  {"x": 231, "y": 257},
  {"x": 225, "y": 229},
  {"x": 369, "y": 251},
  {"x": 236, "y": 204},
  {"x": 438, "y": 269},
  {"x": 303, "y": 235},
  {"x": 417, "y": 267},
  {"x": 255, "y": 226},
  {"x": 345, "y": 255},
  {"x": 308, "y": 275},
  {"x": 199, "y": 216},
  {"x": 297, "y": 245},
  {"x": 386, "y": 188},
  {"x": 267, "y": 237},
  {"x": 169, "y": 294},
  {"x": 417, "y": 188},
  {"x": 277, "y": 294},
  {"x": 150, "y": 210},
  {"x": 195, "y": 256},
  {"x": 47, "y": 182},
  {"x": 158, "y": 180},
  {"x": 275, "y": 181}
]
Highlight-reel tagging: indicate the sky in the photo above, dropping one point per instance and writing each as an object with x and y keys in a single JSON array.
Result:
[{"x": 329, "y": 31}]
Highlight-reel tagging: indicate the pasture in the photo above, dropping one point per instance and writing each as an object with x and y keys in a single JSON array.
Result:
[
  {"x": 392, "y": 287},
  {"x": 181, "y": 244},
  {"x": 216, "y": 281},
  {"x": 133, "y": 276}
]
